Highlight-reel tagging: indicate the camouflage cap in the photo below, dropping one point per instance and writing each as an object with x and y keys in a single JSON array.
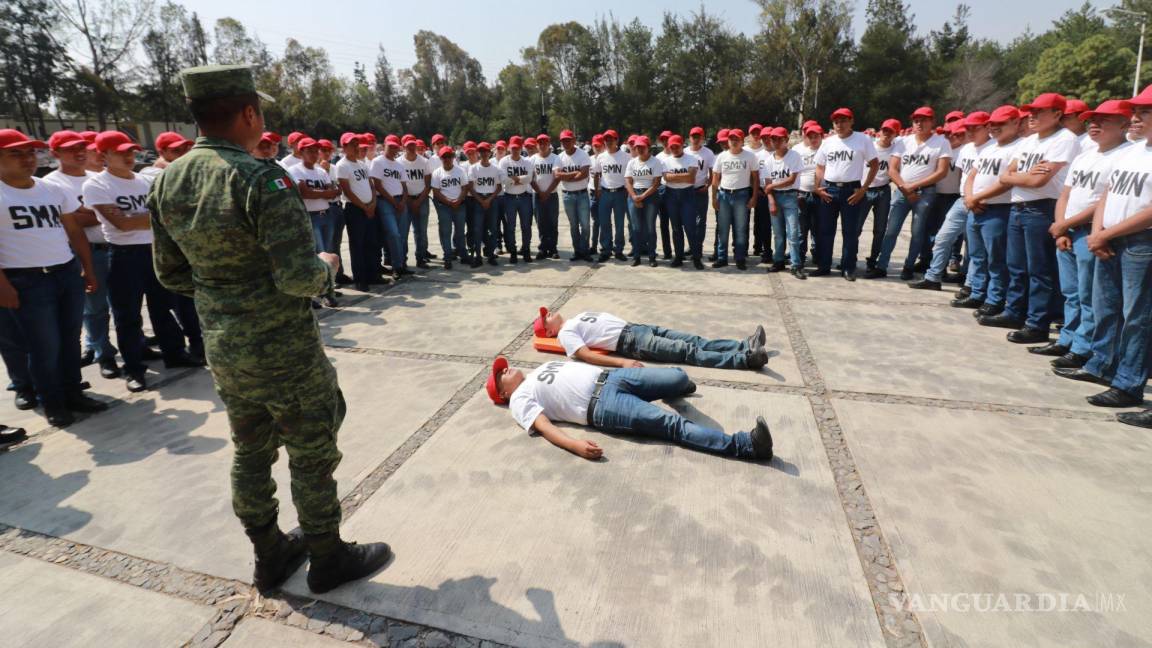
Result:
[{"x": 214, "y": 81}]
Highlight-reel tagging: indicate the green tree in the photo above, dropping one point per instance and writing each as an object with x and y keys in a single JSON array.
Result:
[
  {"x": 446, "y": 89},
  {"x": 30, "y": 60},
  {"x": 892, "y": 64},
  {"x": 1093, "y": 70},
  {"x": 518, "y": 106}
]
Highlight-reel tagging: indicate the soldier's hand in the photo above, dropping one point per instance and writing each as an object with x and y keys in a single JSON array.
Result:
[{"x": 332, "y": 260}]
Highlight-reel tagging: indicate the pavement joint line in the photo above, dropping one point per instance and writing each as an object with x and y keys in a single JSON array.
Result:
[
  {"x": 901, "y": 628},
  {"x": 856, "y": 300},
  {"x": 409, "y": 355},
  {"x": 980, "y": 406}
]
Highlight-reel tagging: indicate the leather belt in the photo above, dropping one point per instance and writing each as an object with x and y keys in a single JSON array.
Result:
[
  {"x": 38, "y": 270},
  {"x": 855, "y": 184},
  {"x": 600, "y": 380},
  {"x": 1043, "y": 202}
]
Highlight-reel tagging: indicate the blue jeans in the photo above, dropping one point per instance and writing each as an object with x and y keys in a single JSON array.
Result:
[
  {"x": 485, "y": 229},
  {"x": 613, "y": 204},
  {"x": 1122, "y": 308},
  {"x": 696, "y": 233},
  {"x": 450, "y": 224},
  {"x": 761, "y": 226},
  {"x": 578, "y": 212},
  {"x": 419, "y": 222},
  {"x": 809, "y": 204},
  {"x": 548, "y": 222},
  {"x": 787, "y": 222},
  {"x": 879, "y": 201},
  {"x": 337, "y": 241},
  {"x": 896, "y": 216},
  {"x": 849, "y": 216},
  {"x": 1076, "y": 268},
  {"x": 518, "y": 204},
  {"x": 388, "y": 221},
  {"x": 625, "y": 407},
  {"x": 643, "y": 223},
  {"x": 594, "y": 214},
  {"x": 131, "y": 279},
  {"x": 41, "y": 338},
  {"x": 681, "y": 206},
  {"x": 950, "y": 232},
  {"x": 1032, "y": 294},
  {"x": 941, "y": 204},
  {"x": 732, "y": 215},
  {"x": 322, "y": 230},
  {"x": 658, "y": 344},
  {"x": 363, "y": 243},
  {"x": 988, "y": 248},
  {"x": 662, "y": 205},
  {"x": 779, "y": 229},
  {"x": 97, "y": 310}
]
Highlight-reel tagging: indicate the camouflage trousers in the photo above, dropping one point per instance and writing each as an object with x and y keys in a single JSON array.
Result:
[{"x": 306, "y": 424}]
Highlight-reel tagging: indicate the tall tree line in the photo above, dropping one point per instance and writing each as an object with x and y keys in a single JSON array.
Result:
[{"x": 117, "y": 60}]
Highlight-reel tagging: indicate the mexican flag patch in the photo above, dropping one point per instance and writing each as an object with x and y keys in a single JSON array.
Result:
[{"x": 279, "y": 184}]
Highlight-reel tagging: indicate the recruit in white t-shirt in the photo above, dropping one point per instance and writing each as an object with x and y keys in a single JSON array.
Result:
[
  {"x": 950, "y": 183},
  {"x": 807, "y": 179},
  {"x": 130, "y": 195},
  {"x": 290, "y": 160},
  {"x": 560, "y": 390},
  {"x": 845, "y": 158},
  {"x": 390, "y": 173},
  {"x": 485, "y": 179},
  {"x": 705, "y": 159},
  {"x": 778, "y": 169},
  {"x": 1060, "y": 146},
  {"x": 356, "y": 174},
  {"x": 512, "y": 170},
  {"x": 735, "y": 169},
  {"x": 918, "y": 160},
  {"x": 643, "y": 172},
  {"x": 686, "y": 163},
  {"x": 450, "y": 182},
  {"x": 569, "y": 163},
  {"x": 1130, "y": 185},
  {"x": 31, "y": 234},
  {"x": 590, "y": 329},
  {"x": 314, "y": 178},
  {"x": 74, "y": 185},
  {"x": 544, "y": 166},
  {"x": 992, "y": 163},
  {"x": 966, "y": 159},
  {"x": 611, "y": 167},
  {"x": 415, "y": 172},
  {"x": 1088, "y": 177},
  {"x": 883, "y": 156}
]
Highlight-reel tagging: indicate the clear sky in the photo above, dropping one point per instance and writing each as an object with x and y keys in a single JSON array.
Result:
[{"x": 493, "y": 32}]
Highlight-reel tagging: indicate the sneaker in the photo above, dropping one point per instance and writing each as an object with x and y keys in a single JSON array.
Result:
[
  {"x": 8, "y": 435},
  {"x": 757, "y": 358},
  {"x": 59, "y": 416},
  {"x": 136, "y": 384},
  {"x": 25, "y": 399}
]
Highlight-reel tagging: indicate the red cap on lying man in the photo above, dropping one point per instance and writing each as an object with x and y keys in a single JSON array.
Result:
[
  {"x": 498, "y": 367},
  {"x": 538, "y": 323}
]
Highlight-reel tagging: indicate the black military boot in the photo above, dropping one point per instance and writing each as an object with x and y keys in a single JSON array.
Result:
[
  {"x": 277, "y": 556},
  {"x": 761, "y": 440},
  {"x": 335, "y": 562}
]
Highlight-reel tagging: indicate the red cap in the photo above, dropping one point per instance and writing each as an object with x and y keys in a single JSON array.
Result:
[
  {"x": 814, "y": 128},
  {"x": 420, "y": 143},
  {"x": 956, "y": 128},
  {"x": 65, "y": 139},
  {"x": 484, "y": 146},
  {"x": 543, "y": 137},
  {"x": 939, "y": 130},
  {"x": 169, "y": 139},
  {"x": 89, "y": 136},
  {"x": 501, "y": 144},
  {"x": 892, "y": 125},
  {"x": 1110, "y": 107},
  {"x": 676, "y": 140},
  {"x": 611, "y": 133},
  {"x": 567, "y": 135},
  {"x": 531, "y": 141},
  {"x": 924, "y": 111},
  {"x": 368, "y": 138},
  {"x": 325, "y": 144},
  {"x": 1074, "y": 107},
  {"x": 1142, "y": 99},
  {"x": 349, "y": 138},
  {"x": 955, "y": 114},
  {"x": 664, "y": 135},
  {"x": 735, "y": 132},
  {"x": 1004, "y": 114},
  {"x": 293, "y": 137},
  {"x": 1048, "y": 100},
  {"x": 392, "y": 140},
  {"x": 722, "y": 135},
  {"x": 514, "y": 142},
  {"x": 538, "y": 323},
  {"x": 10, "y": 138},
  {"x": 408, "y": 139},
  {"x": 810, "y": 122},
  {"x": 642, "y": 140},
  {"x": 269, "y": 136},
  {"x": 498, "y": 367},
  {"x": 445, "y": 150},
  {"x": 306, "y": 142},
  {"x": 696, "y": 130},
  {"x": 438, "y": 137},
  {"x": 598, "y": 139},
  {"x": 632, "y": 139},
  {"x": 755, "y": 129},
  {"x": 978, "y": 118},
  {"x": 779, "y": 131},
  {"x": 115, "y": 141},
  {"x": 843, "y": 112}
]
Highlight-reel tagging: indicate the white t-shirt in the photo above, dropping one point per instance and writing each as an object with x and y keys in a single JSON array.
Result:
[
  {"x": 705, "y": 158},
  {"x": 592, "y": 330},
  {"x": 544, "y": 167},
  {"x": 31, "y": 234},
  {"x": 686, "y": 163},
  {"x": 150, "y": 173},
  {"x": 314, "y": 178},
  {"x": 390, "y": 173},
  {"x": 918, "y": 160},
  {"x": 736, "y": 169},
  {"x": 844, "y": 158},
  {"x": 777, "y": 169},
  {"x": 290, "y": 160},
  {"x": 950, "y": 183},
  {"x": 130, "y": 195},
  {"x": 450, "y": 182},
  {"x": 415, "y": 171},
  {"x": 643, "y": 172},
  {"x": 807, "y": 179},
  {"x": 1130, "y": 185},
  {"x": 611, "y": 168},
  {"x": 522, "y": 168},
  {"x": 332, "y": 176},
  {"x": 568, "y": 163},
  {"x": 559, "y": 389},
  {"x": 1088, "y": 177},
  {"x": 356, "y": 174},
  {"x": 484, "y": 179},
  {"x": 1086, "y": 143},
  {"x": 883, "y": 155},
  {"x": 991, "y": 163},
  {"x": 1060, "y": 146},
  {"x": 966, "y": 159},
  {"x": 74, "y": 185}
]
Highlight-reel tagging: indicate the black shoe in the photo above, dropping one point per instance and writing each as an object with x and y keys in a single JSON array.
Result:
[
  {"x": 925, "y": 284},
  {"x": 698, "y": 264},
  {"x": 1054, "y": 349},
  {"x": 574, "y": 258},
  {"x": 109, "y": 369},
  {"x": 758, "y": 337},
  {"x": 636, "y": 262},
  {"x": 799, "y": 273},
  {"x": 344, "y": 280},
  {"x": 964, "y": 292},
  {"x": 821, "y": 272},
  {"x": 954, "y": 278},
  {"x": 1070, "y": 361},
  {"x": 151, "y": 354},
  {"x": 528, "y": 257},
  {"x": 476, "y": 262},
  {"x": 620, "y": 256},
  {"x": 676, "y": 263},
  {"x": 432, "y": 256},
  {"x": 59, "y": 416},
  {"x": 136, "y": 383},
  {"x": 1115, "y": 398},
  {"x": 690, "y": 389},
  {"x": 540, "y": 256},
  {"x": 343, "y": 562},
  {"x": 719, "y": 264},
  {"x": 652, "y": 262},
  {"x": 87, "y": 358},
  {"x": 329, "y": 301},
  {"x": 988, "y": 310},
  {"x": 741, "y": 265},
  {"x": 492, "y": 260},
  {"x": 278, "y": 556},
  {"x": 604, "y": 257},
  {"x": 849, "y": 275},
  {"x": 921, "y": 267},
  {"x": 1028, "y": 335},
  {"x": 761, "y": 440},
  {"x": 554, "y": 255},
  {"x": 1000, "y": 321},
  {"x": 906, "y": 275},
  {"x": 363, "y": 287},
  {"x": 1139, "y": 419},
  {"x": 966, "y": 302},
  {"x": 25, "y": 399},
  {"x": 447, "y": 265},
  {"x": 875, "y": 273},
  {"x": 757, "y": 358},
  {"x": 404, "y": 272},
  {"x": 776, "y": 267},
  {"x": 513, "y": 259},
  {"x": 8, "y": 435},
  {"x": 423, "y": 265},
  {"x": 1080, "y": 375},
  {"x": 711, "y": 258},
  {"x": 85, "y": 404},
  {"x": 183, "y": 359}
]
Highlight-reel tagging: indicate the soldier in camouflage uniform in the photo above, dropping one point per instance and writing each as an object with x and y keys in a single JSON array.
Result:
[{"x": 231, "y": 231}]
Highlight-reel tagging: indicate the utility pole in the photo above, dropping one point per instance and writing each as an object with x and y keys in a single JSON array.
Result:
[{"x": 1140, "y": 50}]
